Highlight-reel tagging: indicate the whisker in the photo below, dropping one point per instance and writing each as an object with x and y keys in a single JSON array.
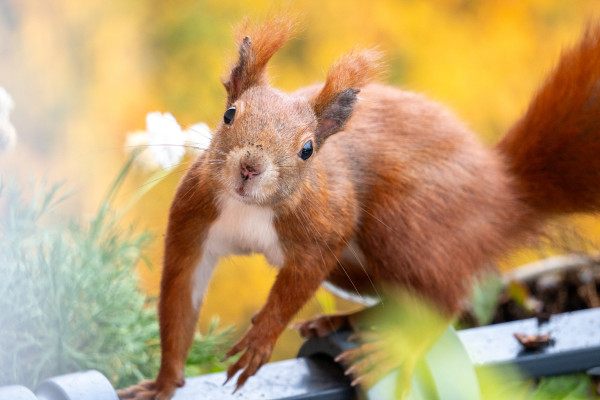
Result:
[
  {"x": 167, "y": 173},
  {"x": 307, "y": 221},
  {"x": 158, "y": 144},
  {"x": 347, "y": 242},
  {"x": 377, "y": 219},
  {"x": 175, "y": 145},
  {"x": 309, "y": 236},
  {"x": 348, "y": 246},
  {"x": 202, "y": 133}
]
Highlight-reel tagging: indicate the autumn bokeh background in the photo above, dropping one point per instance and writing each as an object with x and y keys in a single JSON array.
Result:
[{"x": 84, "y": 74}]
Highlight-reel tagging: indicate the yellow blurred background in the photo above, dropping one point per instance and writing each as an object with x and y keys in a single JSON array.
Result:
[{"x": 84, "y": 74}]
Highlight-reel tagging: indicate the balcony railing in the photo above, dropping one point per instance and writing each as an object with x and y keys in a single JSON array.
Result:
[{"x": 315, "y": 376}]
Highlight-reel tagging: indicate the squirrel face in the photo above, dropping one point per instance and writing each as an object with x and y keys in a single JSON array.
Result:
[{"x": 267, "y": 140}]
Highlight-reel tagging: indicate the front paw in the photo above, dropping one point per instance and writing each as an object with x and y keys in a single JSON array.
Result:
[
  {"x": 257, "y": 348},
  {"x": 147, "y": 390},
  {"x": 162, "y": 388}
]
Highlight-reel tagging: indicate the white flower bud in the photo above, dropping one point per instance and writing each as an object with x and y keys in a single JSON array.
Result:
[
  {"x": 8, "y": 136},
  {"x": 6, "y": 104}
]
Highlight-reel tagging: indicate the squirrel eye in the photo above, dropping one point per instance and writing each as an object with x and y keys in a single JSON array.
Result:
[
  {"x": 229, "y": 115},
  {"x": 306, "y": 151}
]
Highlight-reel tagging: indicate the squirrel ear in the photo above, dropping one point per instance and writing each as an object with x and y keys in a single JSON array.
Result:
[
  {"x": 334, "y": 104},
  {"x": 256, "y": 45}
]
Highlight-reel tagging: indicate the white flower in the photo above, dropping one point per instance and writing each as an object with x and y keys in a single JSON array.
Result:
[
  {"x": 163, "y": 144},
  {"x": 139, "y": 141},
  {"x": 197, "y": 138},
  {"x": 6, "y": 103},
  {"x": 163, "y": 139},
  {"x": 8, "y": 136}
]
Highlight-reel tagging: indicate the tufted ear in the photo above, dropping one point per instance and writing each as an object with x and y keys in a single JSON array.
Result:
[
  {"x": 256, "y": 46},
  {"x": 334, "y": 104}
]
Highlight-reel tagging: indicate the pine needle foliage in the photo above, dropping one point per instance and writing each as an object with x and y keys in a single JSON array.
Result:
[{"x": 70, "y": 298}]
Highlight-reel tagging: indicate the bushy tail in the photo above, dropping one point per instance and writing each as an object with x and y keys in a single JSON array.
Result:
[{"x": 554, "y": 150}]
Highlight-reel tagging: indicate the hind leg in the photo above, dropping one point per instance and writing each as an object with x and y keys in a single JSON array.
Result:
[
  {"x": 350, "y": 281},
  {"x": 324, "y": 325}
]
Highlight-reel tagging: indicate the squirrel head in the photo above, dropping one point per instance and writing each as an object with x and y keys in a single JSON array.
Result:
[{"x": 270, "y": 139}]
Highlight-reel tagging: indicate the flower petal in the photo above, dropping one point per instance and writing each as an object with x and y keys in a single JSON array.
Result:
[
  {"x": 8, "y": 136},
  {"x": 197, "y": 137}
]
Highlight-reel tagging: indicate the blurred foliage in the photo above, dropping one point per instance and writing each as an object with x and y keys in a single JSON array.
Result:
[
  {"x": 508, "y": 383},
  {"x": 70, "y": 297},
  {"x": 83, "y": 74},
  {"x": 396, "y": 334},
  {"x": 208, "y": 350},
  {"x": 501, "y": 384},
  {"x": 555, "y": 285},
  {"x": 64, "y": 293},
  {"x": 566, "y": 387},
  {"x": 485, "y": 298}
]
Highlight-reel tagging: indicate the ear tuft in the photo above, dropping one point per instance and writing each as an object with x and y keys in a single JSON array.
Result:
[
  {"x": 334, "y": 104},
  {"x": 256, "y": 45},
  {"x": 353, "y": 70}
]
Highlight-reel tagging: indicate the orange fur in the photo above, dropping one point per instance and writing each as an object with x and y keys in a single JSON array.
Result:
[
  {"x": 353, "y": 70},
  {"x": 257, "y": 44},
  {"x": 554, "y": 150},
  {"x": 395, "y": 177}
]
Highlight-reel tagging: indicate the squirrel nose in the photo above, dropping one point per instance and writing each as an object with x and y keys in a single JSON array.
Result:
[{"x": 248, "y": 171}]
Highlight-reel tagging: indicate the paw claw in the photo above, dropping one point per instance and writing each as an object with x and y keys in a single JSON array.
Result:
[
  {"x": 146, "y": 390},
  {"x": 232, "y": 370},
  {"x": 237, "y": 387},
  {"x": 356, "y": 381},
  {"x": 341, "y": 357},
  {"x": 256, "y": 348}
]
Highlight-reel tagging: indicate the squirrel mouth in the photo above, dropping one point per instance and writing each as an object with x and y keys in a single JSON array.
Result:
[{"x": 241, "y": 191}]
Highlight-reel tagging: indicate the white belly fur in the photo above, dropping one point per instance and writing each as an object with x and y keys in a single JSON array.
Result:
[{"x": 239, "y": 229}]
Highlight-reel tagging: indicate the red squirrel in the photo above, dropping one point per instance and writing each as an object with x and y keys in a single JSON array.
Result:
[{"x": 367, "y": 187}]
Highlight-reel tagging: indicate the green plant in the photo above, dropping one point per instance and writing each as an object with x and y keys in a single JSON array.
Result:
[
  {"x": 69, "y": 294},
  {"x": 208, "y": 350}
]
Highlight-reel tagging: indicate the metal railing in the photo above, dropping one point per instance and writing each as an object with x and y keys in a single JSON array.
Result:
[{"x": 315, "y": 376}]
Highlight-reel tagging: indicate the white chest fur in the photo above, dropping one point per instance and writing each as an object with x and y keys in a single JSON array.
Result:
[
  {"x": 239, "y": 229},
  {"x": 244, "y": 229}
]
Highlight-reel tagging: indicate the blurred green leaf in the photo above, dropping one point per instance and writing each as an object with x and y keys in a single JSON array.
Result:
[
  {"x": 565, "y": 387},
  {"x": 485, "y": 298}
]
